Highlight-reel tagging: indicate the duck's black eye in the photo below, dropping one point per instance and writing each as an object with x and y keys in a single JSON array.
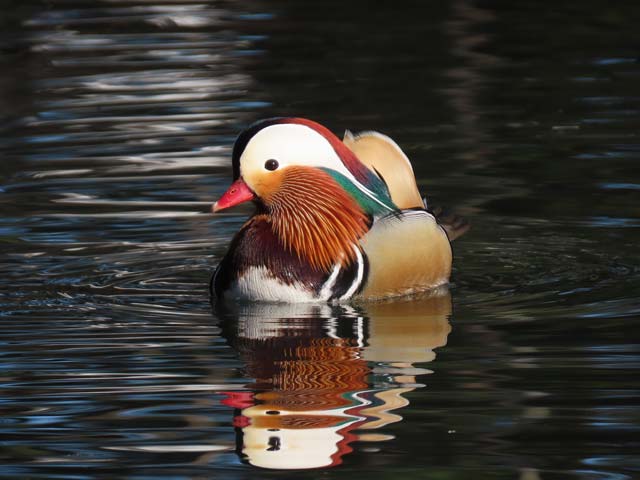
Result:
[{"x": 271, "y": 164}]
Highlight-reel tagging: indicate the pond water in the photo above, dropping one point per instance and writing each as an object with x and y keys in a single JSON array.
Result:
[{"x": 117, "y": 122}]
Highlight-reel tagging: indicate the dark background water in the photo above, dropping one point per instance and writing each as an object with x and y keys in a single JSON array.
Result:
[{"x": 117, "y": 120}]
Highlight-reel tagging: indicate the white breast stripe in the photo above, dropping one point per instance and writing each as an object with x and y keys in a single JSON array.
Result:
[
  {"x": 326, "y": 292},
  {"x": 358, "y": 280}
]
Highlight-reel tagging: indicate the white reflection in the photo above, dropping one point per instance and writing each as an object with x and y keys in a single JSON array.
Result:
[{"x": 327, "y": 376}]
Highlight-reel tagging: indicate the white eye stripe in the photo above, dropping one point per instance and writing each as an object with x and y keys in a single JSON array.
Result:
[{"x": 289, "y": 144}]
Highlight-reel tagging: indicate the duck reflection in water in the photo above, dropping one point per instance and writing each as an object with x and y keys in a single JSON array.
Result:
[{"x": 327, "y": 376}]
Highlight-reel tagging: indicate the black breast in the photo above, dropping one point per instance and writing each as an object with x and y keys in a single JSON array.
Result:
[{"x": 255, "y": 245}]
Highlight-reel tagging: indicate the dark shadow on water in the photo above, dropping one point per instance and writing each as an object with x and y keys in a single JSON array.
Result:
[{"x": 327, "y": 377}]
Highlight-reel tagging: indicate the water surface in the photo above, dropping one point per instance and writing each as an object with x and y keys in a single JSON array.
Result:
[{"x": 117, "y": 121}]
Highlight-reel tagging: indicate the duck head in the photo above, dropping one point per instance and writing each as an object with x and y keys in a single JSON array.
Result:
[
  {"x": 312, "y": 189},
  {"x": 264, "y": 152}
]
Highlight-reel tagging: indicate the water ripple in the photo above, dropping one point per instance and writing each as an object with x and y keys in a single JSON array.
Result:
[{"x": 118, "y": 124}]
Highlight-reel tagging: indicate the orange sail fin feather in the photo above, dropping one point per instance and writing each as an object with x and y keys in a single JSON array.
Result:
[{"x": 388, "y": 161}]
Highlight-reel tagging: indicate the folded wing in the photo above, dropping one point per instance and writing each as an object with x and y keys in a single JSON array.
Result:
[{"x": 382, "y": 155}]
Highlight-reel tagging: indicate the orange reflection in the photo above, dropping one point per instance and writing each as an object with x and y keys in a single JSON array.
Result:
[{"x": 326, "y": 376}]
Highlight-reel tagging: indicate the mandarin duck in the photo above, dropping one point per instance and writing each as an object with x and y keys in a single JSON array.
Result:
[{"x": 335, "y": 220}]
